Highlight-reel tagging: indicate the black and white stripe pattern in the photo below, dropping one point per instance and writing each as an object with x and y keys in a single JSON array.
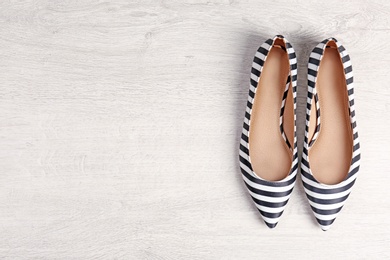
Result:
[
  {"x": 326, "y": 201},
  {"x": 270, "y": 197},
  {"x": 282, "y": 112},
  {"x": 318, "y": 115}
]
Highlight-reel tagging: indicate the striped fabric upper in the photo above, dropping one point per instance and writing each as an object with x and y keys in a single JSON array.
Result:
[
  {"x": 270, "y": 197},
  {"x": 282, "y": 112},
  {"x": 326, "y": 201}
]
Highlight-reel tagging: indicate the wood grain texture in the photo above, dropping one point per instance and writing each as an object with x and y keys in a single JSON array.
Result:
[{"x": 120, "y": 125}]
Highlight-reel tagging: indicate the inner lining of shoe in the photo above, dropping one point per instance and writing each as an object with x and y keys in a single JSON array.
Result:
[
  {"x": 270, "y": 156},
  {"x": 331, "y": 153}
]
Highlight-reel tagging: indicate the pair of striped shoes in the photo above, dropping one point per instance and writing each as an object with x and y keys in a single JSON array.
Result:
[{"x": 268, "y": 148}]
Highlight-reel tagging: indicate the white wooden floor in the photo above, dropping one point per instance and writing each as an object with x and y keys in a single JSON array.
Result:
[{"x": 120, "y": 125}]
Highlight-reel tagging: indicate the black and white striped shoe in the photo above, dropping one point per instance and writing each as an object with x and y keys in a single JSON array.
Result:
[
  {"x": 331, "y": 153},
  {"x": 268, "y": 149}
]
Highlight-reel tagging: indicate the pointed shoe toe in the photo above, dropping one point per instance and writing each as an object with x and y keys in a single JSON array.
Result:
[
  {"x": 271, "y": 225},
  {"x": 325, "y": 225}
]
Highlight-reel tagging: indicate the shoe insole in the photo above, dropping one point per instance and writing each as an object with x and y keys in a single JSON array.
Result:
[
  {"x": 269, "y": 154},
  {"x": 331, "y": 153}
]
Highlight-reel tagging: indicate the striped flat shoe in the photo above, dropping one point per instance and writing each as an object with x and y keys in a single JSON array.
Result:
[
  {"x": 268, "y": 147},
  {"x": 331, "y": 153}
]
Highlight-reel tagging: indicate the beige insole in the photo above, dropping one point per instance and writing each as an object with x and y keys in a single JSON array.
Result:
[
  {"x": 269, "y": 154},
  {"x": 331, "y": 154}
]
